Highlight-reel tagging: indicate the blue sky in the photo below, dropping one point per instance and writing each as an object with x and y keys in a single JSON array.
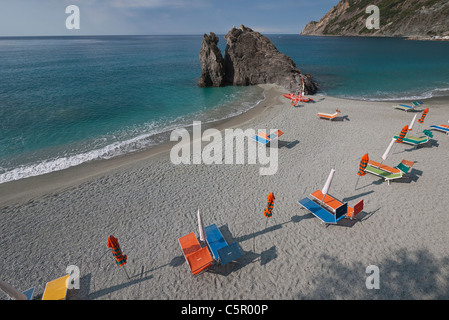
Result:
[{"x": 149, "y": 17}]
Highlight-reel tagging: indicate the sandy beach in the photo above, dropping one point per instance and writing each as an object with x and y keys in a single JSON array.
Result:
[{"x": 50, "y": 222}]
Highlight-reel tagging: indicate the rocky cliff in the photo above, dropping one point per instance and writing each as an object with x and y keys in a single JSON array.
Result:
[
  {"x": 406, "y": 18},
  {"x": 250, "y": 58}
]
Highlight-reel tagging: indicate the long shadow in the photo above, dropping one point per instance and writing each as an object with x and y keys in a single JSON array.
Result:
[
  {"x": 400, "y": 277},
  {"x": 248, "y": 257},
  {"x": 84, "y": 292}
]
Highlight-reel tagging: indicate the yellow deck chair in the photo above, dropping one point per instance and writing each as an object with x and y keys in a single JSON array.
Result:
[{"x": 56, "y": 289}]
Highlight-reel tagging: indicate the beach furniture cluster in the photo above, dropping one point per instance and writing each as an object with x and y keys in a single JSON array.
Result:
[
  {"x": 295, "y": 98},
  {"x": 327, "y": 208},
  {"x": 216, "y": 252},
  {"x": 400, "y": 170}
]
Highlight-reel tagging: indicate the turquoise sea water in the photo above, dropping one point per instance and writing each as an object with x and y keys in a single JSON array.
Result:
[{"x": 68, "y": 100}]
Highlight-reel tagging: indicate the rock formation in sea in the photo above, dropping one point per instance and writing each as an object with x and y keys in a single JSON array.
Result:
[
  {"x": 250, "y": 58},
  {"x": 212, "y": 62}
]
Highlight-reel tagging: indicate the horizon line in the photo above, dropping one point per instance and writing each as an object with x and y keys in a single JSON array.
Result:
[{"x": 131, "y": 35}]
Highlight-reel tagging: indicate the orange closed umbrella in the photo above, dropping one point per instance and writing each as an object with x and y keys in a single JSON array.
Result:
[
  {"x": 402, "y": 134},
  {"x": 424, "y": 114},
  {"x": 120, "y": 259},
  {"x": 363, "y": 164},
  {"x": 270, "y": 204}
]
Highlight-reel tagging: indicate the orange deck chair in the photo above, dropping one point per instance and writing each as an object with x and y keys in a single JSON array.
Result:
[
  {"x": 390, "y": 169},
  {"x": 197, "y": 258},
  {"x": 334, "y": 204},
  {"x": 328, "y": 115}
]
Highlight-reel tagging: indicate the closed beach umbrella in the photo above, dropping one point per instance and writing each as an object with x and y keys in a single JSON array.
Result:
[
  {"x": 270, "y": 204},
  {"x": 411, "y": 123},
  {"x": 424, "y": 114},
  {"x": 402, "y": 134},
  {"x": 363, "y": 164},
  {"x": 201, "y": 227},
  {"x": 11, "y": 291},
  {"x": 328, "y": 183},
  {"x": 385, "y": 155},
  {"x": 113, "y": 244}
]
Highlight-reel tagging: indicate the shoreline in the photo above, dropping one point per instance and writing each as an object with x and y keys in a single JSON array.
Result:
[{"x": 26, "y": 189}]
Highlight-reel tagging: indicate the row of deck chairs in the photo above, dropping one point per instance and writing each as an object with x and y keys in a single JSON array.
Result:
[{"x": 217, "y": 251}]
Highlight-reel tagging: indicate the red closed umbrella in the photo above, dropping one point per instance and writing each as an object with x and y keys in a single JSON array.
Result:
[
  {"x": 120, "y": 258},
  {"x": 363, "y": 164},
  {"x": 424, "y": 114},
  {"x": 402, "y": 134}
]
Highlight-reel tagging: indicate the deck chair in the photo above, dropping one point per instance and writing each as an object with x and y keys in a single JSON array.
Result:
[
  {"x": 407, "y": 108},
  {"x": 56, "y": 289},
  {"x": 442, "y": 128},
  {"x": 327, "y": 116},
  {"x": 197, "y": 258},
  {"x": 265, "y": 139},
  {"x": 326, "y": 216},
  {"x": 404, "y": 166},
  {"x": 389, "y": 173},
  {"x": 221, "y": 251},
  {"x": 415, "y": 141},
  {"x": 333, "y": 204}
]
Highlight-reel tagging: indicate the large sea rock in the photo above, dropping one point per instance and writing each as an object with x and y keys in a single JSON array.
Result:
[
  {"x": 250, "y": 58},
  {"x": 212, "y": 62}
]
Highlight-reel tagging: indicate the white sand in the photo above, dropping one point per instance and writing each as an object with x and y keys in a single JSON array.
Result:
[{"x": 48, "y": 223}]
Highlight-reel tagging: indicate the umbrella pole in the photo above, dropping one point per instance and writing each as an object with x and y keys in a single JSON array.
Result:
[{"x": 126, "y": 272}]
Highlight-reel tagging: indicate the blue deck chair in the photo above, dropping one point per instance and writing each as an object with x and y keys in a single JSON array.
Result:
[
  {"x": 221, "y": 251},
  {"x": 407, "y": 107},
  {"x": 265, "y": 139},
  {"x": 443, "y": 128},
  {"x": 324, "y": 215}
]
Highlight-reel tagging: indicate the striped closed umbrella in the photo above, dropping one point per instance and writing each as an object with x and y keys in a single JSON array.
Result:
[
  {"x": 424, "y": 114},
  {"x": 270, "y": 204},
  {"x": 402, "y": 134},
  {"x": 120, "y": 259},
  {"x": 363, "y": 164}
]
